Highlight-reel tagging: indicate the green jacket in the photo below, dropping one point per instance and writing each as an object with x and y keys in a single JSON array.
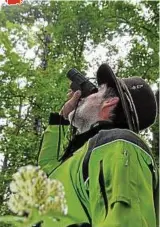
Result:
[{"x": 116, "y": 187}]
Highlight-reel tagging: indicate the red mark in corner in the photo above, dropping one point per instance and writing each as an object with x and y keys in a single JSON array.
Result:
[{"x": 13, "y": 2}]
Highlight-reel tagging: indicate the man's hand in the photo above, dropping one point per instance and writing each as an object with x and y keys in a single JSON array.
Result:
[{"x": 70, "y": 105}]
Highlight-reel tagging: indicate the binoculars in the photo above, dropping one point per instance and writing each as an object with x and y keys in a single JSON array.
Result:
[{"x": 79, "y": 82}]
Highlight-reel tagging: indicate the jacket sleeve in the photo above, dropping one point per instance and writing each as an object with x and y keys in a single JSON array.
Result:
[
  {"x": 120, "y": 187},
  {"x": 47, "y": 159}
]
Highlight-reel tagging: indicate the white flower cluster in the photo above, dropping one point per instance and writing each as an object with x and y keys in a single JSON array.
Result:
[{"x": 31, "y": 189}]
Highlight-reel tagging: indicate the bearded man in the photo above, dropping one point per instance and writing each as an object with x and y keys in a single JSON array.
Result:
[{"x": 108, "y": 172}]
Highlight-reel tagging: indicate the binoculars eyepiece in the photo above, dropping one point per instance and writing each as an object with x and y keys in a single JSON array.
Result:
[{"x": 79, "y": 82}]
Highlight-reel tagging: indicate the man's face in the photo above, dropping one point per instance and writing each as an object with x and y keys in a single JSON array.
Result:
[{"x": 88, "y": 111}]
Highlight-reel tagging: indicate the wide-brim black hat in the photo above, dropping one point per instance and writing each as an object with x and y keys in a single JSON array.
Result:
[{"x": 137, "y": 108}]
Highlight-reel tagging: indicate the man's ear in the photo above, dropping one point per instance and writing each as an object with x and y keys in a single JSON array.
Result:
[{"x": 107, "y": 107}]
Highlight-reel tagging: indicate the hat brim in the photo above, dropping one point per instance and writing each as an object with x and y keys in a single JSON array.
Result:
[{"x": 105, "y": 75}]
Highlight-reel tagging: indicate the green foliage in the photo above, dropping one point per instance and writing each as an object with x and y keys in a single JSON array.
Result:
[{"x": 57, "y": 33}]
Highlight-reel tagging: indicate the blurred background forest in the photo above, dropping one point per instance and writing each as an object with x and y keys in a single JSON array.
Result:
[{"x": 41, "y": 40}]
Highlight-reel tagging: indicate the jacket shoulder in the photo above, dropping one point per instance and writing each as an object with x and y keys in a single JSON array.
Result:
[{"x": 107, "y": 136}]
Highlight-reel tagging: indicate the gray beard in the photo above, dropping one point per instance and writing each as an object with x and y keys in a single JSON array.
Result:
[{"x": 82, "y": 122}]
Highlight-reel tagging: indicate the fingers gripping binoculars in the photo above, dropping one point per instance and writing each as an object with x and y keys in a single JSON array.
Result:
[{"x": 79, "y": 82}]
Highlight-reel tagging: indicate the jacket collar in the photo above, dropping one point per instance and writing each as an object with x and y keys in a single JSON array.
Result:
[{"x": 80, "y": 139}]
